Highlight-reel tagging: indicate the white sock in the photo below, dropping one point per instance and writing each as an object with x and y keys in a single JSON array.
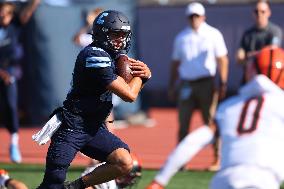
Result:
[
  {"x": 184, "y": 152},
  {"x": 15, "y": 139}
]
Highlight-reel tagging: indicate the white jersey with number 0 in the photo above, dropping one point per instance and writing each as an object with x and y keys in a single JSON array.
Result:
[{"x": 251, "y": 126}]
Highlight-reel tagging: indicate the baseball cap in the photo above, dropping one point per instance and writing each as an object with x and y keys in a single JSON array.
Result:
[{"x": 195, "y": 8}]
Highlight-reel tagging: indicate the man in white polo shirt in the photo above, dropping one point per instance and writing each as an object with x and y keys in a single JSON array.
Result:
[{"x": 198, "y": 51}]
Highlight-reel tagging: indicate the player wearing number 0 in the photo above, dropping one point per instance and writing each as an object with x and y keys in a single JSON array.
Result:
[
  {"x": 88, "y": 104},
  {"x": 251, "y": 127}
]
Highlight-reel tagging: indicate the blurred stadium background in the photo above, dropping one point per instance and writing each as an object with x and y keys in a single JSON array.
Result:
[
  {"x": 50, "y": 52},
  {"x": 50, "y": 55}
]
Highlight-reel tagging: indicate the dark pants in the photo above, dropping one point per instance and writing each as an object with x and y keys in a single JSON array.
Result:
[
  {"x": 193, "y": 95},
  {"x": 76, "y": 134},
  {"x": 8, "y": 100}
]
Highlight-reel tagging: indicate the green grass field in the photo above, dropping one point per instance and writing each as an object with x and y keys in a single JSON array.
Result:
[{"x": 32, "y": 176}]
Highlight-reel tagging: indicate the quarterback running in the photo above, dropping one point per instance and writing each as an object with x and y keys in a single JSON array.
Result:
[{"x": 89, "y": 103}]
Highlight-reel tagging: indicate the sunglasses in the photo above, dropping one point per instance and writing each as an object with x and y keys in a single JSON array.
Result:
[{"x": 258, "y": 12}]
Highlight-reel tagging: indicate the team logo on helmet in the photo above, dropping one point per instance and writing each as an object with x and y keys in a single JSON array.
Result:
[{"x": 100, "y": 18}]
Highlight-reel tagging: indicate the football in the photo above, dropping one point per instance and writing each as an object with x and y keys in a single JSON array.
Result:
[{"x": 122, "y": 67}]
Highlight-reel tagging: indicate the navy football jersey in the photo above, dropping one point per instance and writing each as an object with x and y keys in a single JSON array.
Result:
[{"x": 94, "y": 70}]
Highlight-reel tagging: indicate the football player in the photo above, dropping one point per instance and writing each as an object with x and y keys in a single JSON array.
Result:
[
  {"x": 88, "y": 104},
  {"x": 251, "y": 126},
  {"x": 6, "y": 182}
]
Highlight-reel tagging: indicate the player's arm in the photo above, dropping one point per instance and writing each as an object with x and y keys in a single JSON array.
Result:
[
  {"x": 241, "y": 52},
  {"x": 28, "y": 11},
  {"x": 129, "y": 92},
  {"x": 184, "y": 152},
  {"x": 241, "y": 56},
  {"x": 140, "y": 69}
]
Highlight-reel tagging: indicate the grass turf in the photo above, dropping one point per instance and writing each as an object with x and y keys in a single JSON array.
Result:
[{"x": 32, "y": 175}]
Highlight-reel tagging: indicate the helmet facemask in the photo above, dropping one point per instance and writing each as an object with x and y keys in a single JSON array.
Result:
[{"x": 117, "y": 40}]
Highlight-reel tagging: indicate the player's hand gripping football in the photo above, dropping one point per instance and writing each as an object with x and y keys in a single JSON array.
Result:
[{"x": 139, "y": 69}]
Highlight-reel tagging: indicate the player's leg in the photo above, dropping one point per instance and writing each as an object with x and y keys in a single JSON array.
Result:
[
  {"x": 119, "y": 164},
  {"x": 186, "y": 106},
  {"x": 108, "y": 148},
  {"x": 183, "y": 153},
  {"x": 107, "y": 185},
  {"x": 65, "y": 143},
  {"x": 10, "y": 183},
  {"x": 16, "y": 184},
  {"x": 11, "y": 119},
  {"x": 59, "y": 157},
  {"x": 110, "y": 126}
]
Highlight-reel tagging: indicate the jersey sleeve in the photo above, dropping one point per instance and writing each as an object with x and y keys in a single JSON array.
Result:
[
  {"x": 220, "y": 46},
  {"x": 99, "y": 66},
  {"x": 277, "y": 36}
]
